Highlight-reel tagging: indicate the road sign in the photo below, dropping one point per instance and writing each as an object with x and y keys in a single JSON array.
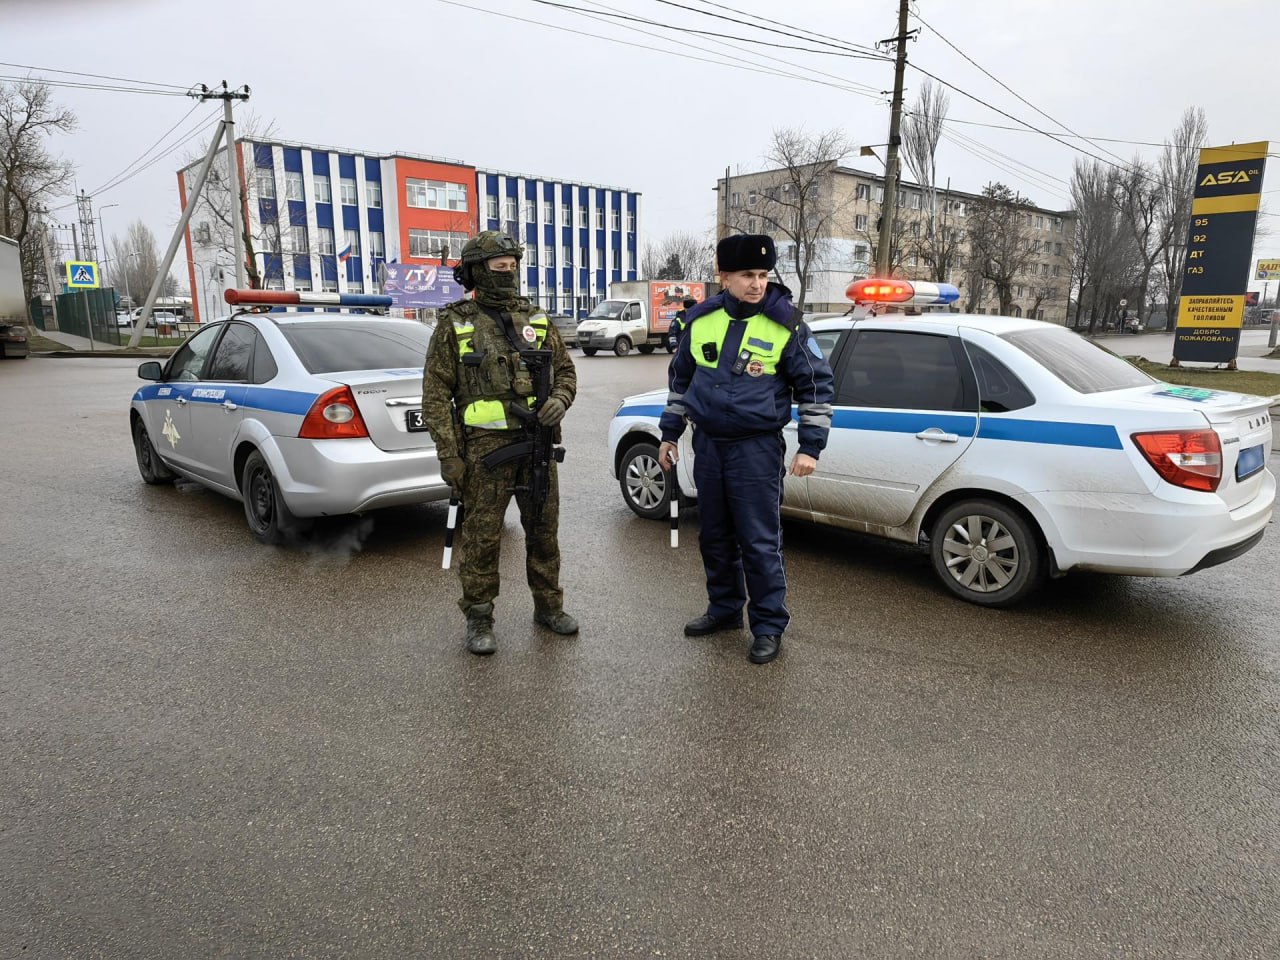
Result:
[
  {"x": 82, "y": 275},
  {"x": 1224, "y": 213},
  {"x": 1268, "y": 269},
  {"x": 1124, "y": 303}
]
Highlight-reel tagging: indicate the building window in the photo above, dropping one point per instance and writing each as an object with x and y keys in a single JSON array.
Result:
[
  {"x": 301, "y": 277},
  {"x": 298, "y": 239},
  {"x": 530, "y": 211},
  {"x": 329, "y": 286},
  {"x": 860, "y": 253},
  {"x": 1057, "y": 249},
  {"x": 324, "y": 236},
  {"x": 491, "y": 206},
  {"x": 752, "y": 197},
  {"x": 266, "y": 184},
  {"x": 879, "y": 194},
  {"x": 1039, "y": 222},
  {"x": 582, "y": 217},
  {"x": 435, "y": 194},
  {"x": 292, "y": 185},
  {"x": 566, "y": 216},
  {"x": 373, "y": 193},
  {"x": 751, "y": 225},
  {"x": 631, "y": 259},
  {"x": 549, "y": 255},
  {"x": 617, "y": 219},
  {"x": 324, "y": 192},
  {"x": 531, "y": 255},
  {"x": 351, "y": 242},
  {"x": 1057, "y": 271},
  {"x": 355, "y": 284},
  {"x": 511, "y": 209},
  {"x": 735, "y": 200},
  {"x": 582, "y": 257},
  {"x": 427, "y": 244},
  {"x": 864, "y": 191},
  {"x": 1044, "y": 269},
  {"x": 275, "y": 283},
  {"x": 631, "y": 221},
  {"x": 548, "y": 212},
  {"x": 567, "y": 253},
  {"x": 599, "y": 218},
  {"x": 377, "y": 246},
  {"x": 347, "y": 192},
  {"x": 860, "y": 222}
]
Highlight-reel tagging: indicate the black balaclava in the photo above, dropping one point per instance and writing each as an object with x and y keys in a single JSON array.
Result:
[{"x": 497, "y": 288}]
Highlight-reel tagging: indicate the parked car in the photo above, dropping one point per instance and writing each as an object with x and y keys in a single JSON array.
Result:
[
  {"x": 158, "y": 316},
  {"x": 296, "y": 415},
  {"x": 1009, "y": 450}
]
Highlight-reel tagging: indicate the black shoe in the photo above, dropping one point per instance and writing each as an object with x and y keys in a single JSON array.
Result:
[
  {"x": 706, "y": 624},
  {"x": 480, "y": 638},
  {"x": 766, "y": 648}
]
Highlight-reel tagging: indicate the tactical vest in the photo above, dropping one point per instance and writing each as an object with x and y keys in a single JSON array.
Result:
[
  {"x": 764, "y": 338},
  {"x": 491, "y": 373}
]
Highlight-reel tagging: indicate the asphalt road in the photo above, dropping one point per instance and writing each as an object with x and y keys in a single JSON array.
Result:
[{"x": 210, "y": 748}]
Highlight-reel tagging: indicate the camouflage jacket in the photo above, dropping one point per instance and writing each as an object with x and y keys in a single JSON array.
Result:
[{"x": 449, "y": 386}]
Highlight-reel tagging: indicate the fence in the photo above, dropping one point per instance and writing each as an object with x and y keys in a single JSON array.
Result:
[{"x": 89, "y": 313}]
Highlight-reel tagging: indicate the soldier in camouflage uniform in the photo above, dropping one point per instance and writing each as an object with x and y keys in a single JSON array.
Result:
[{"x": 473, "y": 372}]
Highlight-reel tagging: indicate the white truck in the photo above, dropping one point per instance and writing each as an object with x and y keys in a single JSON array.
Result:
[
  {"x": 13, "y": 304},
  {"x": 636, "y": 316}
]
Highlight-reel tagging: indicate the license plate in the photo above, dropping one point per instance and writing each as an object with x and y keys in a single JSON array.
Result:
[
  {"x": 1249, "y": 462},
  {"x": 413, "y": 421}
]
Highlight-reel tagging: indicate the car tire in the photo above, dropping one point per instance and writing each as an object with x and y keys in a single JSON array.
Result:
[
  {"x": 986, "y": 553},
  {"x": 646, "y": 487},
  {"x": 152, "y": 468},
  {"x": 621, "y": 347},
  {"x": 646, "y": 348},
  {"x": 589, "y": 351},
  {"x": 268, "y": 516}
]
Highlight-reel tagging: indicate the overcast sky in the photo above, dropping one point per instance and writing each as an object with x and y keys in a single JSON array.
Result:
[{"x": 455, "y": 80}]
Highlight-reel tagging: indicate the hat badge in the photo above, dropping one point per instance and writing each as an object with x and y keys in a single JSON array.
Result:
[{"x": 763, "y": 252}]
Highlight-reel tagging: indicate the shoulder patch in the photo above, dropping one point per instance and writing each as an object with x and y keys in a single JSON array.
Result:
[{"x": 814, "y": 348}]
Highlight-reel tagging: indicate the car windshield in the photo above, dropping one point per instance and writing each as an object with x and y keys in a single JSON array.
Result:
[
  {"x": 1083, "y": 366},
  {"x": 329, "y": 346},
  {"x": 607, "y": 310}
]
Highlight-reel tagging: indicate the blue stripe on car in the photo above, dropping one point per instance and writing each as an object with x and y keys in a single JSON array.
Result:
[
  {"x": 1055, "y": 433},
  {"x": 260, "y": 398}
]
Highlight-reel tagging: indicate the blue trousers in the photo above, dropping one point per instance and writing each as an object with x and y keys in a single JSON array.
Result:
[{"x": 739, "y": 507}]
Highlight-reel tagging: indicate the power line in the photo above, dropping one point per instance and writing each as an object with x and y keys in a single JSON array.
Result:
[
  {"x": 713, "y": 33},
  {"x": 125, "y": 173},
  {"x": 74, "y": 85},
  {"x": 642, "y": 46},
  {"x": 825, "y": 41},
  {"x": 96, "y": 76},
  {"x": 1029, "y": 179},
  {"x": 792, "y": 26}
]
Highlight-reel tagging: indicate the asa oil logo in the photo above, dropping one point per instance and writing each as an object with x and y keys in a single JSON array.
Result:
[{"x": 1230, "y": 176}]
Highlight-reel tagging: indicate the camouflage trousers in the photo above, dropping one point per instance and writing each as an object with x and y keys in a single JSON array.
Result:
[{"x": 485, "y": 496}]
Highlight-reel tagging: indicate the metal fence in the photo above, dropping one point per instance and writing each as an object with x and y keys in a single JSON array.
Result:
[{"x": 90, "y": 314}]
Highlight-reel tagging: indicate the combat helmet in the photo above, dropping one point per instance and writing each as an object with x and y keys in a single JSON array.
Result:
[{"x": 484, "y": 246}]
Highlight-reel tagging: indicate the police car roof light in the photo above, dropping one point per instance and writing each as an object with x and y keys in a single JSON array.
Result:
[
  {"x": 915, "y": 292},
  {"x": 293, "y": 298}
]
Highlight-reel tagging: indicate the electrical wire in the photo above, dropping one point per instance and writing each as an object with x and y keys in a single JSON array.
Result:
[
  {"x": 72, "y": 85},
  {"x": 790, "y": 26},
  {"x": 825, "y": 41},
  {"x": 193, "y": 134},
  {"x": 144, "y": 153},
  {"x": 96, "y": 76}
]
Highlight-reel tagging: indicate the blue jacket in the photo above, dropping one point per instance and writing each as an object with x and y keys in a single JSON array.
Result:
[{"x": 730, "y": 405}]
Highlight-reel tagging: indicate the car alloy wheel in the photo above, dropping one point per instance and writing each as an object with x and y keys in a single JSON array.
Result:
[
  {"x": 981, "y": 554},
  {"x": 645, "y": 485},
  {"x": 986, "y": 553}
]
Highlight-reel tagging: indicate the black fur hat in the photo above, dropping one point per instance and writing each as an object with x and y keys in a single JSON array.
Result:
[{"x": 746, "y": 251}]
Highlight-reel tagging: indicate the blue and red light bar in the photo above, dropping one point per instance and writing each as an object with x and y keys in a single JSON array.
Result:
[
  {"x": 916, "y": 293},
  {"x": 294, "y": 298}
]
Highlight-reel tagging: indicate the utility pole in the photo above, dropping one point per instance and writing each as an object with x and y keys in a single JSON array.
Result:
[
  {"x": 724, "y": 227},
  {"x": 889, "y": 208},
  {"x": 84, "y": 206}
]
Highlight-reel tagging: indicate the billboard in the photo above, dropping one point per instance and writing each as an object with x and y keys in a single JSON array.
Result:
[
  {"x": 1224, "y": 213},
  {"x": 1268, "y": 269},
  {"x": 416, "y": 286},
  {"x": 665, "y": 300}
]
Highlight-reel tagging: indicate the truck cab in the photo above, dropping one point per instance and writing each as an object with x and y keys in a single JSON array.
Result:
[{"x": 617, "y": 325}]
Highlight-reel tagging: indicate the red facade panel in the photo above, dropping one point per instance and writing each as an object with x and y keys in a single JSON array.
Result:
[{"x": 422, "y": 218}]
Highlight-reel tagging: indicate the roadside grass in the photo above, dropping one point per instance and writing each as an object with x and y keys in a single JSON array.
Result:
[{"x": 1234, "y": 381}]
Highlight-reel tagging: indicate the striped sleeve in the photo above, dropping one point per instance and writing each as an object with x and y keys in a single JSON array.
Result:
[{"x": 812, "y": 389}]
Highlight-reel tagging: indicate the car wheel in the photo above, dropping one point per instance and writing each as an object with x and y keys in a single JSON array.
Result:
[
  {"x": 589, "y": 351},
  {"x": 621, "y": 347},
  {"x": 646, "y": 348},
  {"x": 986, "y": 553},
  {"x": 646, "y": 487},
  {"x": 270, "y": 519},
  {"x": 150, "y": 465}
]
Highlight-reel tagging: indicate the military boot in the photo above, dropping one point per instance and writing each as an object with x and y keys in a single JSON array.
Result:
[
  {"x": 557, "y": 621},
  {"x": 480, "y": 638}
]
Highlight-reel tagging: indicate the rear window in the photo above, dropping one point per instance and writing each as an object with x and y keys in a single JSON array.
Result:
[
  {"x": 1081, "y": 365},
  {"x": 327, "y": 347}
]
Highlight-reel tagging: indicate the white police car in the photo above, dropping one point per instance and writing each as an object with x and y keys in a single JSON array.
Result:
[
  {"x": 1010, "y": 450},
  {"x": 295, "y": 414}
]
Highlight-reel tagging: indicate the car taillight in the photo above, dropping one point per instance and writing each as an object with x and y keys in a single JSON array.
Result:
[
  {"x": 1185, "y": 458},
  {"x": 334, "y": 415}
]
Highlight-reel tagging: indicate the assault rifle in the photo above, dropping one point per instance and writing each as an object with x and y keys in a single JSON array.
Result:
[{"x": 539, "y": 445}]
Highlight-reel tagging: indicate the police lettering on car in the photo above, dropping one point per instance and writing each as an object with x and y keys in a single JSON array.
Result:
[{"x": 743, "y": 359}]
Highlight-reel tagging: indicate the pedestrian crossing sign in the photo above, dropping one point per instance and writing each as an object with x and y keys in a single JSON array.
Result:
[{"x": 82, "y": 275}]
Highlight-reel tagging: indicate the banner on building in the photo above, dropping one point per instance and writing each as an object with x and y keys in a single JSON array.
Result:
[
  {"x": 1224, "y": 213},
  {"x": 1268, "y": 270},
  {"x": 417, "y": 286},
  {"x": 665, "y": 299}
]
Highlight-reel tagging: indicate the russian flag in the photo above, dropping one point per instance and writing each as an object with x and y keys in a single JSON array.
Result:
[{"x": 344, "y": 255}]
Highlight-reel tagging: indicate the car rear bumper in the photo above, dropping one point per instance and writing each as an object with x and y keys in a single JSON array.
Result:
[
  {"x": 1146, "y": 536},
  {"x": 335, "y": 477}
]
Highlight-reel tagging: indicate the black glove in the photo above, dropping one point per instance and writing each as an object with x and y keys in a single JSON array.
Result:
[
  {"x": 452, "y": 471},
  {"x": 551, "y": 412}
]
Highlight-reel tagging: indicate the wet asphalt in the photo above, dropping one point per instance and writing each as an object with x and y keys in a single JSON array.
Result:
[{"x": 212, "y": 748}]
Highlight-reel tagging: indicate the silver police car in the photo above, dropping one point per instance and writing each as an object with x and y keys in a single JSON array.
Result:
[{"x": 297, "y": 415}]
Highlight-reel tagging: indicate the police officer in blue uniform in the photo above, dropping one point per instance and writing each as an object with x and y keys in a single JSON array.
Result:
[
  {"x": 745, "y": 356},
  {"x": 678, "y": 323}
]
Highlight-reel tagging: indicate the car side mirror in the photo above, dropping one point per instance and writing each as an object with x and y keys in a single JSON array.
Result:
[{"x": 151, "y": 370}]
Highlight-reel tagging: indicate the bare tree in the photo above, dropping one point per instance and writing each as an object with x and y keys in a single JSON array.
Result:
[
  {"x": 1106, "y": 261},
  {"x": 797, "y": 202},
  {"x": 999, "y": 243},
  {"x": 937, "y": 243},
  {"x": 136, "y": 261},
  {"x": 30, "y": 176},
  {"x": 1137, "y": 193},
  {"x": 1178, "y": 163},
  {"x": 679, "y": 256}
]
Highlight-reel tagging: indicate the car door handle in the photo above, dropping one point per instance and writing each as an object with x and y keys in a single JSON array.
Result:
[
  {"x": 937, "y": 433},
  {"x": 228, "y": 406},
  {"x": 180, "y": 400}
]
